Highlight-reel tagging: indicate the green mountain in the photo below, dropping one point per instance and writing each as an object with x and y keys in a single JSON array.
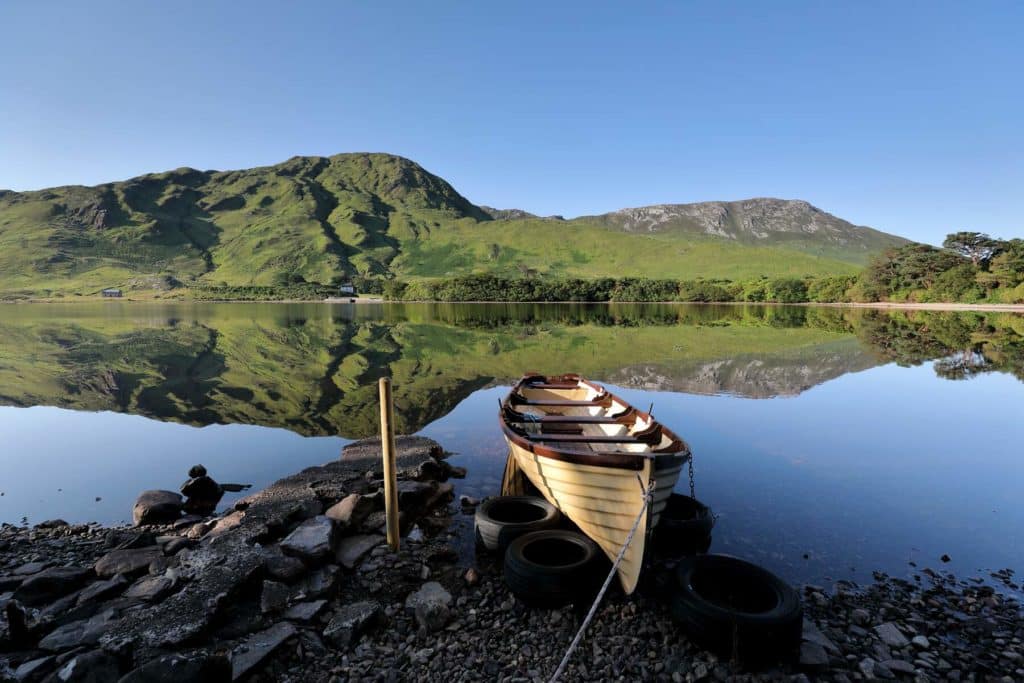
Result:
[{"x": 324, "y": 219}]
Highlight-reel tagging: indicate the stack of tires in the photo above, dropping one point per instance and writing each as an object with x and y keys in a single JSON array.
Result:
[
  {"x": 545, "y": 565},
  {"x": 729, "y": 606}
]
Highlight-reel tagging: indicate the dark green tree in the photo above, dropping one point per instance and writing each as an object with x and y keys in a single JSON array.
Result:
[{"x": 976, "y": 246}]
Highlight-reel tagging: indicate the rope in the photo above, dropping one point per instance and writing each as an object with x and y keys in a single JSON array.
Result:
[{"x": 648, "y": 495}]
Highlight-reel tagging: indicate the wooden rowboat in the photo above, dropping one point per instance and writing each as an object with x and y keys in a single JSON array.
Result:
[{"x": 592, "y": 455}]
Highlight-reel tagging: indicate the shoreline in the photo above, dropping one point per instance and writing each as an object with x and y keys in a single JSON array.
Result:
[
  {"x": 363, "y": 301},
  {"x": 291, "y": 584}
]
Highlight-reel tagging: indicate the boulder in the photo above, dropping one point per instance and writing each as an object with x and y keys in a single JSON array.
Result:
[
  {"x": 274, "y": 597},
  {"x": 202, "y": 495},
  {"x": 352, "y": 510},
  {"x": 304, "y": 611},
  {"x": 283, "y": 568},
  {"x": 101, "y": 590},
  {"x": 813, "y": 657},
  {"x": 156, "y": 507},
  {"x": 35, "y": 669},
  {"x": 51, "y": 584},
  {"x": 319, "y": 584},
  {"x": 197, "y": 667},
  {"x": 352, "y": 549},
  {"x": 96, "y": 666},
  {"x": 412, "y": 453},
  {"x": 430, "y": 605},
  {"x": 30, "y": 568},
  {"x": 312, "y": 540},
  {"x": 257, "y": 647},
  {"x": 151, "y": 588},
  {"x": 351, "y": 622},
  {"x": 891, "y": 635},
  {"x": 131, "y": 561},
  {"x": 78, "y": 633}
]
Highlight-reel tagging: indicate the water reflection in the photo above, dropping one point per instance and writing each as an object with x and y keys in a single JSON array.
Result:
[{"x": 312, "y": 369}]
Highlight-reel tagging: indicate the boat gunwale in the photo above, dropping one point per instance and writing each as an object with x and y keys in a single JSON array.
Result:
[{"x": 677, "y": 448}]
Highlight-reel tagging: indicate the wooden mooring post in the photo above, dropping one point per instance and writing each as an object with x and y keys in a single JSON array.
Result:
[{"x": 387, "y": 443}]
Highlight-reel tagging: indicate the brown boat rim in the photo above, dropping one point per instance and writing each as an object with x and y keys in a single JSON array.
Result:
[{"x": 677, "y": 448}]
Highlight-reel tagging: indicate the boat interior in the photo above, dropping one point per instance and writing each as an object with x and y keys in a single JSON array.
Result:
[{"x": 581, "y": 414}]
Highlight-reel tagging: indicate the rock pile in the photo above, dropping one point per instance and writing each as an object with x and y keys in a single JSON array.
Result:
[
  {"x": 185, "y": 597},
  {"x": 295, "y": 583}
]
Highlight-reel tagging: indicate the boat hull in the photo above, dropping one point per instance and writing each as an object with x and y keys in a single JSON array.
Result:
[{"x": 604, "y": 502}]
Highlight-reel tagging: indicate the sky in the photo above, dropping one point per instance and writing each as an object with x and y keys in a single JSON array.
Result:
[{"x": 905, "y": 116}]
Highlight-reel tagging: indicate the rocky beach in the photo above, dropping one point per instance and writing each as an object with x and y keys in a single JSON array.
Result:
[{"x": 296, "y": 583}]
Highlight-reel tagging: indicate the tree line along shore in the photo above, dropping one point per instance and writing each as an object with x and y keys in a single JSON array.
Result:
[{"x": 970, "y": 268}]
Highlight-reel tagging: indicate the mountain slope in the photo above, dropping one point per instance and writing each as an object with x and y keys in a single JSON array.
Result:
[{"x": 321, "y": 219}]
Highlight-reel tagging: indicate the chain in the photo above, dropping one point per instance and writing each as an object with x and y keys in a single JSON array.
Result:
[{"x": 692, "y": 493}]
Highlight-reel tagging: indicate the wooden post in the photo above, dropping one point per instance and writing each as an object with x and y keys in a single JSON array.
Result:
[{"x": 387, "y": 443}]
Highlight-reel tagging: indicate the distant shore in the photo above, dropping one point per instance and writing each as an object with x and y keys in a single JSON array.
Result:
[{"x": 990, "y": 308}]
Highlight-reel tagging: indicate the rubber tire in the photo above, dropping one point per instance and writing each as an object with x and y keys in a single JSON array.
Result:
[
  {"x": 494, "y": 528},
  {"x": 752, "y": 636},
  {"x": 538, "y": 582},
  {"x": 684, "y": 527}
]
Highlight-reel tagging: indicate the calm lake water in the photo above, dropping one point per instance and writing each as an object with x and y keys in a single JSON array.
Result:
[{"x": 830, "y": 442}]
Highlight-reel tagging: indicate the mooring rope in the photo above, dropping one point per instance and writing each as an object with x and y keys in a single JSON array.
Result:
[{"x": 648, "y": 495}]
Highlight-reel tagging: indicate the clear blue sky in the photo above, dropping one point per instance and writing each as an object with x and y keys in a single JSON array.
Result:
[{"x": 905, "y": 116}]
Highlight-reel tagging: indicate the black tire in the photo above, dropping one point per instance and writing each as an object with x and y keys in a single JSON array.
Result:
[
  {"x": 684, "y": 527},
  {"x": 737, "y": 609},
  {"x": 503, "y": 519},
  {"x": 552, "y": 568}
]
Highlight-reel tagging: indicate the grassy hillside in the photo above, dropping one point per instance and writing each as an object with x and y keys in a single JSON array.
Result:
[{"x": 325, "y": 219}]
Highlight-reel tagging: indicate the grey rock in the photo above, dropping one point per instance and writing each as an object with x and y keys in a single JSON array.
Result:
[
  {"x": 283, "y": 567},
  {"x": 899, "y": 666},
  {"x": 35, "y": 669},
  {"x": 812, "y": 634},
  {"x": 131, "y": 561},
  {"x": 10, "y": 582},
  {"x": 304, "y": 611},
  {"x": 414, "y": 494},
  {"x": 813, "y": 657},
  {"x": 352, "y": 549},
  {"x": 195, "y": 667},
  {"x": 96, "y": 666},
  {"x": 102, "y": 590},
  {"x": 430, "y": 605},
  {"x": 274, "y": 597},
  {"x": 81, "y": 632},
  {"x": 866, "y": 667},
  {"x": 202, "y": 494},
  {"x": 257, "y": 647},
  {"x": 860, "y": 616},
  {"x": 151, "y": 588},
  {"x": 177, "y": 544},
  {"x": 318, "y": 584},
  {"x": 352, "y": 510},
  {"x": 51, "y": 584},
  {"x": 186, "y": 521},
  {"x": 891, "y": 635},
  {"x": 30, "y": 568},
  {"x": 920, "y": 642},
  {"x": 312, "y": 540},
  {"x": 156, "y": 507},
  {"x": 351, "y": 622},
  {"x": 412, "y": 452},
  {"x": 882, "y": 671}
]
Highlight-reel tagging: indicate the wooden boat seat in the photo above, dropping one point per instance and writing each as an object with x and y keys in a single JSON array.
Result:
[
  {"x": 647, "y": 439},
  {"x": 565, "y": 402},
  {"x": 567, "y": 419}
]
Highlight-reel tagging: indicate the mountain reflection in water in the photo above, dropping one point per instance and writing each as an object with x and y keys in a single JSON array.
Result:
[{"x": 312, "y": 369}]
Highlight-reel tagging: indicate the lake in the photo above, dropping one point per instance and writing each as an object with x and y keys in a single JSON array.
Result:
[{"x": 831, "y": 442}]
